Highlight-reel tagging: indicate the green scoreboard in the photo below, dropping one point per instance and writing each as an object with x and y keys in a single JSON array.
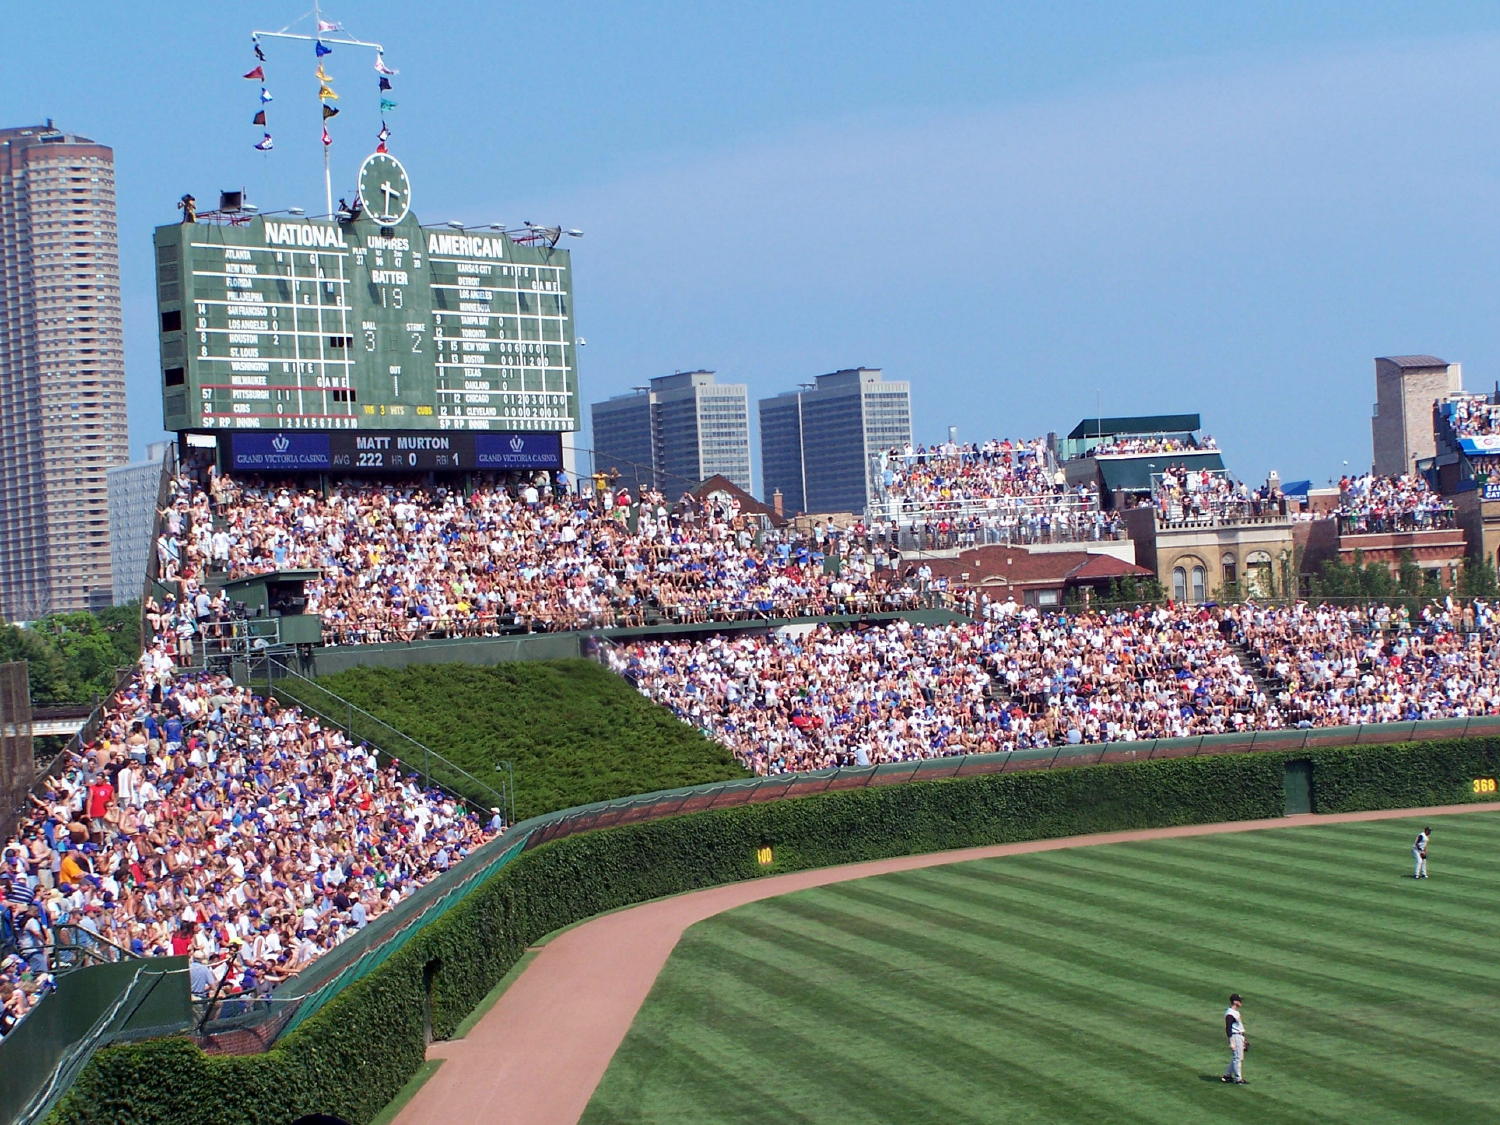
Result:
[{"x": 279, "y": 323}]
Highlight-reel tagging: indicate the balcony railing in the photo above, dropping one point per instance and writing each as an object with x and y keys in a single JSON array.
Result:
[{"x": 1364, "y": 523}]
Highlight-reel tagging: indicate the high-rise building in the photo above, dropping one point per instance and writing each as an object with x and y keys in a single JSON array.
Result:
[
  {"x": 62, "y": 370},
  {"x": 679, "y": 430},
  {"x": 817, "y": 443},
  {"x": 1406, "y": 386},
  {"x": 133, "y": 490}
]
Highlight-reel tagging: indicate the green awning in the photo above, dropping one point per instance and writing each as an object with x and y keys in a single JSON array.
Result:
[
  {"x": 1133, "y": 474},
  {"x": 1144, "y": 424}
]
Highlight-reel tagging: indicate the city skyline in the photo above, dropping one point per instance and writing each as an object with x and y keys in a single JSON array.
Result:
[{"x": 1170, "y": 209}]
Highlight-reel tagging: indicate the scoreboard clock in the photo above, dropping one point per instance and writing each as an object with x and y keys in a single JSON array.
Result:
[
  {"x": 279, "y": 323},
  {"x": 384, "y": 189}
]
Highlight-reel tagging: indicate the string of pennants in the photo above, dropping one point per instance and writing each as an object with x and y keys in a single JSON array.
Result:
[{"x": 326, "y": 92}]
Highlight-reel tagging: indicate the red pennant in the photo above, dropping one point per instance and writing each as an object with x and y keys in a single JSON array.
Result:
[{"x": 257, "y": 73}]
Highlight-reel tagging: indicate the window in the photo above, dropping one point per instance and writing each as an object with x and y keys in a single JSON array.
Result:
[
  {"x": 1200, "y": 593},
  {"x": 1179, "y": 584},
  {"x": 1227, "y": 564},
  {"x": 1258, "y": 575}
]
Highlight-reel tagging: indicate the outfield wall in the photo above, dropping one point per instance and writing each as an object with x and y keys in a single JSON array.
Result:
[{"x": 361, "y": 1047}]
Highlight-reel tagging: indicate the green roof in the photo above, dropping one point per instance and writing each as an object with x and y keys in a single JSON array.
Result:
[
  {"x": 1133, "y": 474},
  {"x": 1143, "y": 424}
]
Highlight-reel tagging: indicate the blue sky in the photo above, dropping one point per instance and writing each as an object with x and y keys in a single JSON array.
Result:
[{"x": 1028, "y": 210}]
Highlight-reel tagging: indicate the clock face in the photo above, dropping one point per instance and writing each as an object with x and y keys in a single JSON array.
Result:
[{"x": 384, "y": 189}]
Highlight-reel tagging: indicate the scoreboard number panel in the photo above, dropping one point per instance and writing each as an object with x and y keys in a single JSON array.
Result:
[{"x": 278, "y": 323}]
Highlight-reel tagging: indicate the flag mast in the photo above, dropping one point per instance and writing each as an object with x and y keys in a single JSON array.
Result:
[{"x": 321, "y": 38}]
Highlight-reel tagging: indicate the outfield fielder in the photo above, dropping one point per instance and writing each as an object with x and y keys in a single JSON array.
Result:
[
  {"x": 1234, "y": 1028},
  {"x": 1419, "y": 854}
]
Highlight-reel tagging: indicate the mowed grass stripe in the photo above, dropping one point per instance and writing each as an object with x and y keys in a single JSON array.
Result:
[
  {"x": 768, "y": 975},
  {"x": 1083, "y": 970},
  {"x": 1088, "y": 972},
  {"x": 1087, "y": 984},
  {"x": 1354, "y": 1078},
  {"x": 1271, "y": 890},
  {"x": 865, "y": 1084},
  {"x": 1266, "y": 874},
  {"x": 1326, "y": 956},
  {"x": 1081, "y": 917},
  {"x": 921, "y": 1016},
  {"x": 1036, "y": 1020}
]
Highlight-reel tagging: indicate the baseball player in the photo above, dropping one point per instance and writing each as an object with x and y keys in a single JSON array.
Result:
[
  {"x": 1419, "y": 854},
  {"x": 1234, "y": 1028}
]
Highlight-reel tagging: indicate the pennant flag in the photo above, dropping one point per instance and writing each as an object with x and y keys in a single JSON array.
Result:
[
  {"x": 385, "y": 83},
  {"x": 259, "y": 118},
  {"x": 329, "y": 25},
  {"x": 327, "y": 140},
  {"x": 327, "y": 95},
  {"x": 381, "y": 68},
  {"x": 257, "y": 73},
  {"x": 265, "y": 95},
  {"x": 381, "y": 147},
  {"x": 322, "y": 75},
  {"x": 329, "y": 111},
  {"x": 320, "y": 50},
  {"x": 259, "y": 54},
  {"x": 384, "y": 134},
  {"x": 386, "y": 103},
  {"x": 266, "y": 144}
]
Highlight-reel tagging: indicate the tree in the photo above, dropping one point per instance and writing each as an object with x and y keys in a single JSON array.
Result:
[
  {"x": 74, "y": 657},
  {"x": 1478, "y": 579}
]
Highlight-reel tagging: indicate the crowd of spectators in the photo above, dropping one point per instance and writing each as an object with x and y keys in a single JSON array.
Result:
[
  {"x": 1022, "y": 677},
  {"x": 1007, "y": 521},
  {"x": 975, "y": 494},
  {"x": 403, "y": 560},
  {"x": 1340, "y": 666},
  {"x": 1183, "y": 493},
  {"x": 1120, "y": 444},
  {"x": 1373, "y": 503},
  {"x": 1473, "y": 415},
  {"x": 204, "y": 820}
]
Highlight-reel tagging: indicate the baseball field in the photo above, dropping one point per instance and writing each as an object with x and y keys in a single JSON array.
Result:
[{"x": 1089, "y": 984}]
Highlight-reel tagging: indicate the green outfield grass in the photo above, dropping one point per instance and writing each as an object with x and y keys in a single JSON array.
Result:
[{"x": 1089, "y": 984}]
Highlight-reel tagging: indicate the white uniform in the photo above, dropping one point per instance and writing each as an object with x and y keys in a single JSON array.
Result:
[
  {"x": 1234, "y": 1028},
  {"x": 1419, "y": 856}
]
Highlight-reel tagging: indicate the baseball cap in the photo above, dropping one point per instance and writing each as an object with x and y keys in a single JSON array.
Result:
[{"x": 1236, "y": 998}]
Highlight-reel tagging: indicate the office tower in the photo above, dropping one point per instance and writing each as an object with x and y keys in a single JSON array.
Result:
[
  {"x": 817, "y": 443},
  {"x": 1406, "y": 386},
  {"x": 62, "y": 370},
  {"x": 133, "y": 490},
  {"x": 679, "y": 430}
]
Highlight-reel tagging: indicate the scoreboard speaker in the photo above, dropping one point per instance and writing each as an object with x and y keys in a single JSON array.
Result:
[{"x": 231, "y": 201}]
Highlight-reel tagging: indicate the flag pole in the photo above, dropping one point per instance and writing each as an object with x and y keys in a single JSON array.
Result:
[{"x": 322, "y": 118}]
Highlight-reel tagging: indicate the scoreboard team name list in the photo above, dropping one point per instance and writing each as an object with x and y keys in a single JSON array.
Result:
[{"x": 321, "y": 326}]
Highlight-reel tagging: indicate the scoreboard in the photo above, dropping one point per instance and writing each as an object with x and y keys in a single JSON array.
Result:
[{"x": 277, "y": 323}]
